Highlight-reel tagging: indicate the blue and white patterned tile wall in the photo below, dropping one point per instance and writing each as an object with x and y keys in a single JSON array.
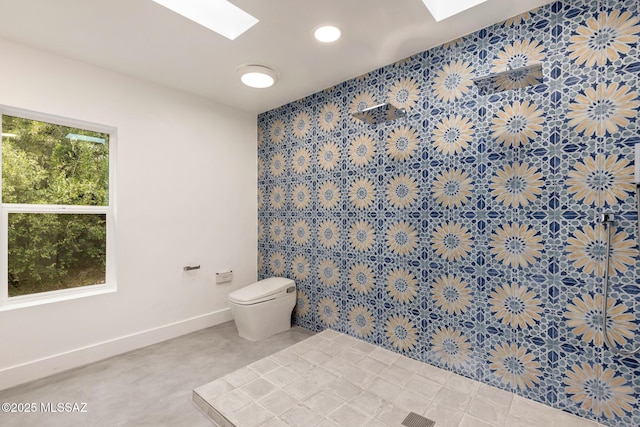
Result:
[{"x": 464, "y": 235}]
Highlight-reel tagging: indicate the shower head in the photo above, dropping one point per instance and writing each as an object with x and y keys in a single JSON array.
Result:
[
  {"x": 382, "y": 113},
  {"x": 510, "y": 79}
]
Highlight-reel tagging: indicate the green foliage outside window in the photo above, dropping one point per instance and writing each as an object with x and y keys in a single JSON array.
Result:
[{"x": 49, "y": 164}]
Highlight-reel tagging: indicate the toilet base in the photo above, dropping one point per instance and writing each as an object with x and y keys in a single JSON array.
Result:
[{"x": 258, "y": 321}]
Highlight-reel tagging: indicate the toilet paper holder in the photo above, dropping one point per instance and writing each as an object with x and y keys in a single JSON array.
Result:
[{"x": 191, "y": 267}]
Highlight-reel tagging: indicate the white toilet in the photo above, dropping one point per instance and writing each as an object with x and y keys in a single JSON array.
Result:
[{"x": 263, "y": 308}]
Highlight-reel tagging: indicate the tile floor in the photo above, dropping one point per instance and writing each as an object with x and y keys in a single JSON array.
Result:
[
  {"x": 150, "y": 387},
  {"x": 331, "y": 379}
]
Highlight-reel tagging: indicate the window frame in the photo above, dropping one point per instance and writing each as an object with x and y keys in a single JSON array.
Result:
[{"x": 110, "y": 285}]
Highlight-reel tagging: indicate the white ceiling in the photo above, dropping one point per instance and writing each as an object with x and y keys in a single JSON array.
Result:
[{"x": 143, "y": 39}]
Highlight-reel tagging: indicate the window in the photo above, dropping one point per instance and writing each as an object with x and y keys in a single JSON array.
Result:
[{"x": 56, "y": 208}]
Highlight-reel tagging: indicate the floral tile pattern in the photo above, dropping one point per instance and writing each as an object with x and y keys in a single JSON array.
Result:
[{"x": 464, "y": 234}]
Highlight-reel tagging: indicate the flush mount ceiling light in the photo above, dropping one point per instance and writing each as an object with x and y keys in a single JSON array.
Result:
[
  {"x": 327, "y": 33},
  {"x": 443, "y": 9},
  {"x": 257, "y": 76},
  {"x": 219, "y": 16}
]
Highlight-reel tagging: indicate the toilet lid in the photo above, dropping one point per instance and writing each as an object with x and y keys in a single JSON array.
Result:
[{"x": 264, "y": 290}]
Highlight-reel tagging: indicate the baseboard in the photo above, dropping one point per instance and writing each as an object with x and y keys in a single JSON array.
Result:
[{"x": 36, "y": 369}]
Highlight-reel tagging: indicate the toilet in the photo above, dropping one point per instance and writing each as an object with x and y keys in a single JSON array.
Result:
[{"x": 263, "y": 308}]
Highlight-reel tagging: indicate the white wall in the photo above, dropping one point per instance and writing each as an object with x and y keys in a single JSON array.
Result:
[{"x": 186, "y": 194}]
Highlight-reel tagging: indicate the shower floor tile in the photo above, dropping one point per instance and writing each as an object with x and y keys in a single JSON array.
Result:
[{"x": 332, "y": 379}]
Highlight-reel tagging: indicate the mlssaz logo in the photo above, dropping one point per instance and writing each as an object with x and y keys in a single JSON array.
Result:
[{"x": 63, "y": 407}]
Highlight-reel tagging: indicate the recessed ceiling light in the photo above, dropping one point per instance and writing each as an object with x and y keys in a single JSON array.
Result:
[
  {"x": 257, "y": 76},
  {"x": 327, "y": 33},
  {"x": 219, "y": 16},
  {"x": 442, "y": 9}
]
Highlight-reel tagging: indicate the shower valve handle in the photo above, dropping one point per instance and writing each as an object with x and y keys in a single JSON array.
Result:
[{"x": 606, "y": 217}]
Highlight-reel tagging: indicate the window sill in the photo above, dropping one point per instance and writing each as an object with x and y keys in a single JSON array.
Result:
[{"x": 25, "y": 301}]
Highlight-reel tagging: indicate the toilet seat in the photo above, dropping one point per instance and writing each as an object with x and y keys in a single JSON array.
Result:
[{"x": 263, "y": 291}]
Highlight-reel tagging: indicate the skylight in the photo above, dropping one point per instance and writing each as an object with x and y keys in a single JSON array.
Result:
[
  {"x": 443, "y": 9},
  {"x": 219, "y": 16}
]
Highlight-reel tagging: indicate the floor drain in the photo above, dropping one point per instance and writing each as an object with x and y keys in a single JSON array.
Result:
[{"x": 415, "y": 420}]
